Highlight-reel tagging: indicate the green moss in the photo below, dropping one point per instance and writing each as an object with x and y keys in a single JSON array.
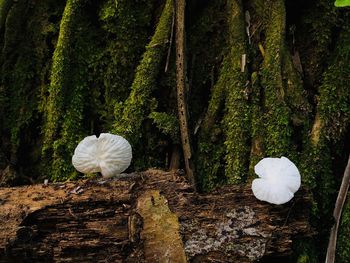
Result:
[
  {"x": 93, "y": 68},
  {"x": 130, "y": 115},
  {"x": 333, "y": 110},
  {"x": 334, "y": 104},
  {"x": 210, "y": 166},
  {"x": 60, "y": 73},
  {"x": 237, "y": 117},
  {"x": 229, "y": 98},
  {"x": 210, "y": 153},
  {"x": 168, "y": 124},
  {"x": 308, "y": 252},
  {"x": 25, "y": 60},
  {"x": 126, "y": 26},
  {"x": 295, "y": 94},
  {"x": 13, "y": 36},
  {"x": 207, "y": 44},
  {"x": 68, "y": 90},
  {"x": 330, "y": 127},
  {"x": 277, "y": 114},
  {"x": 314, "y": 36},
  {"x": 5, "y": 6},
  {"x": 257, "y": 127}
]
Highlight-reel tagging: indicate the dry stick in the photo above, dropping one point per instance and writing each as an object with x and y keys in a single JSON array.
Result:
[
  {"x": 181, "y": 87},
  {"x": 170, "y": 41},
  {"x": 330, "y": 258}
]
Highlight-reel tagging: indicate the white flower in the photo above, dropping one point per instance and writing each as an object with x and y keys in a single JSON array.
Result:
[
  {"x": 279, "y": 180},
  {"x": 109, "y": 154}
]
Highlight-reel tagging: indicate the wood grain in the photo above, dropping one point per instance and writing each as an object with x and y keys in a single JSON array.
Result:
[{"x": 100, "y": 221}]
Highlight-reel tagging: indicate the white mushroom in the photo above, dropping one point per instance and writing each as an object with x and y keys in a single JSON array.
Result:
[
  {"x": 279, "y": 180},
  {"x": 109, "y": 154}
]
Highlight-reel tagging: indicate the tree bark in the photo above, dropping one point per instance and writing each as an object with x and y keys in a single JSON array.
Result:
[
  {"x": 181, "y": 87},
  {"x": 144, "y": 217}
]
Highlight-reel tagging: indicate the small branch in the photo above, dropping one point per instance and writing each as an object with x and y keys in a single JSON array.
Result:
[
  {"x": 181, "y": 87},
  {"x": 344, "y": 187},
  {"x": 170, "y": 41}
]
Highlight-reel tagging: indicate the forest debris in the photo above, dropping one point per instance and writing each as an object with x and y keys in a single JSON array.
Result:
[{"x": 77, "y": 190}]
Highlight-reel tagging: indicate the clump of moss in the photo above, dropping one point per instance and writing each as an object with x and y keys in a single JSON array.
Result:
[
  {"x": 277, "y": 114},
  {"x": 210, "y": 154},
  {"x": 15, "y": 72},
  {"x": 25, "y": 60},
  {"x": 257, "y": 129},
  {"x": 168, "y": 124},
  {"x": 236, "y": 121},
  {"x": 314, "y": 35},
  {"x": 207, "y": 25},
  {"x": 68, "y": 90},
  {"x": 126, "y": 28},
  {"x": 308, "y": 252},
  {"x": 5, "y": 6},
  {"x": 330, "y": 127},
  {"x": 130, "y": 116}
]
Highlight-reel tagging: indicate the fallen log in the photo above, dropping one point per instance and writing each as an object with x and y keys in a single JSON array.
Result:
[{"x": 153, "y": 216}]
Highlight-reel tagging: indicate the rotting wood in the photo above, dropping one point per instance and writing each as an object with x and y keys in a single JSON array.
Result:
[
  {"x": 181, "y": 87},
  {"x": 162, "y": 241},
  {"x": 101, "y": 221}
]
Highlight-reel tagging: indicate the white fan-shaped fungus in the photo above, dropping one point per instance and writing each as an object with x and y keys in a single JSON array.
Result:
[
  {"x": 279, "y": 180},
  {"x": 109, "y": 154}
]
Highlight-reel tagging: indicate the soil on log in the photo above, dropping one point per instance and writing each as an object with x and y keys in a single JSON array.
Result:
[{"x": 153, "y": 216}]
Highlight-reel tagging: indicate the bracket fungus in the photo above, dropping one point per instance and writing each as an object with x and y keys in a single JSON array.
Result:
[
  {"x": 279, "y": 180},
  {"x": 108, "y": 154}
]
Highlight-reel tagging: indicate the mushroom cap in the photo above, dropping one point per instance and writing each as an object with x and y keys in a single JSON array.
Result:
[
  {"x": 109, "y": 154},
  {"x": 279, "y": 180}
]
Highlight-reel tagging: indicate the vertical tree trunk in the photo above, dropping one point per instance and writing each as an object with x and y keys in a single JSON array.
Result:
[{"x": 180, "y": 36}]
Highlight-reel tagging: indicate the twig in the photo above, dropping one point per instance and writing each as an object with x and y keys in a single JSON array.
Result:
[
  {"x": 344, "y": 187},
  {"x": 170, "y": 41},
  {"x": 247, "y": 20}
]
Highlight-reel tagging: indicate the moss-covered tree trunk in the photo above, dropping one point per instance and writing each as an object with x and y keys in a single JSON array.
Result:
[{"x": 264, "y": 78}]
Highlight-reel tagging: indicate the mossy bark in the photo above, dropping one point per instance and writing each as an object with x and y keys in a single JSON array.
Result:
[
  {"x": 5, "y": 6},
  {"x": 131, "y": 114},
  {"x": 277, "y": 115},
  {"x": 26, "y": 40},
  {"x": 230, "y": 99},
  {"x": 236, "y": 121},
  {"x": 65, "y": 104}
]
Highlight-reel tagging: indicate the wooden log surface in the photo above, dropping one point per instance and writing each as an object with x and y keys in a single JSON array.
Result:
[{"x": 152, "y": 216}]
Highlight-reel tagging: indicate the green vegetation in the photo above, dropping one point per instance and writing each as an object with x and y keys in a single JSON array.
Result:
[
  {"x": 131, "y": 114},
  {"x": 342, "y": 3},
  {"x": 79, "y": 67}
]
